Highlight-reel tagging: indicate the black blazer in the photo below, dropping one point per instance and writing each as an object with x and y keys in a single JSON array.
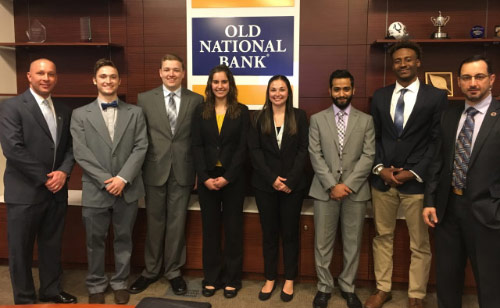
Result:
[
  {"x": 483, "y": 175},
  {"x": 269, "y": 161},
  {"x": 414, "y": 149},
  {"x": 29, "y": 149},
  {"x": 228, "y": 147}
]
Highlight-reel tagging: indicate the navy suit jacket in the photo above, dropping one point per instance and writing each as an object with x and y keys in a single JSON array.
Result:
[
  {"x": 228, "y": 147},
  {"x": 30, "y": 151},
  {"x": 269, "y": 161},
  {"x": 483, "y": 175},
  {"x": 414, "y": 149}
]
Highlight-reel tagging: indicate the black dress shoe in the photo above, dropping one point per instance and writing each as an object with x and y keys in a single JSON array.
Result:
[
  {"x": 286, "y": 297},
  {"x": 61, "y": 298},
  {"x": 264, "y": 296},
  {"x": 321, "y": 299},
  {"x": 141, "y": 284},
  {"x": 351, "y": 299},
  {"x": 178, "y": 285},
  {"x": 230, "y": 293}
]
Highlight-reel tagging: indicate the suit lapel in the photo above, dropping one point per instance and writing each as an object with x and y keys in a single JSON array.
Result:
[
  {"x": 122, "y": 120},
  {"x": 490, "y": 118},
  {"x": 33, "y": 107},
  {"x": 351, "y": 123},
  {"x": 161, "y": 109},
  {"x": 332, "y": 125},
  {"x": 386, "y": 108},
  {"x": 419, "y": 103},
  {"x": 185, "y": 101},
  {"x": 59, "y": 120},
  {"x": 97, "y": 121}
]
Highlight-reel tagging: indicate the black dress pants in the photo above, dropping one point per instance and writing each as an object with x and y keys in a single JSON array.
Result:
[
  {"x": 222, "y": 266},
  {"x": 280, "y": 214},
  {"x": 460, "y": 236}
]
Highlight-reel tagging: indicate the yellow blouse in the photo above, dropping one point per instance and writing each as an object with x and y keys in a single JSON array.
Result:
[{"x": 220, "y": 120}]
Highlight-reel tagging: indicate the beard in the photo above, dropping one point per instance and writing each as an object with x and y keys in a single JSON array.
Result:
[{"x": 342, "y": 105}]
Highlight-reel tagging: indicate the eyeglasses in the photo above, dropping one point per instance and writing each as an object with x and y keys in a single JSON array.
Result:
[{"x": 478, "y": 77}]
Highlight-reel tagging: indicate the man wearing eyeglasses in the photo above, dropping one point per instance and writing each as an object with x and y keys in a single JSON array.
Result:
[{"x": 462, "y": 196}]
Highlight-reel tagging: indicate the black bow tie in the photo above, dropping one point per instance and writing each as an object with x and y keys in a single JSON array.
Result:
[{"x": 113, "y": 104}]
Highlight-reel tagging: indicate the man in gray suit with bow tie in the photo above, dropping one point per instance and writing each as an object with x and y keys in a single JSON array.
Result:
[
  {"x": 110, "y": 143},
  {"x": 168, "y": 175},
  {"x": 342, "y": 149}
]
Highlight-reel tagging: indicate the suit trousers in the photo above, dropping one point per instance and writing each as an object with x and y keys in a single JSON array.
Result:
[
  {"x": 96, "y": 221},
  {"x": 45, "y": 223},
  {"x": 385, "y": 209},
  {"x": 459, "y": 235},
  {"x": 327, "y": 215},
  {"x": 222, "y": 208},
  {"x": 280, "y": 213},
  {"x": 166, "y": 210}
]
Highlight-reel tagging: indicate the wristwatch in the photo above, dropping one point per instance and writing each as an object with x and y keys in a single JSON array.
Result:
[{"x": 378, "y": 169}]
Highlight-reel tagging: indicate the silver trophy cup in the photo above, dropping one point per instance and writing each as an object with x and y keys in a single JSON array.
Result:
[{"x": 440, "y": 22}]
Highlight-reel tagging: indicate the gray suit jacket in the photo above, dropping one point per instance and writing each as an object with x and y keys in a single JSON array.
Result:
[
  {"x": 165, "y": 150},
  {"x": 102, "y": 158},
  {"x": 357, "y": 159}
]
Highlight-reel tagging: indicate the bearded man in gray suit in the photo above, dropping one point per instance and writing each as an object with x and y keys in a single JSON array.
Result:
[
  {"x": 110, "y": 143},
  {"x": 169, "y": 175},
  {"x": 342, "y": 150}
]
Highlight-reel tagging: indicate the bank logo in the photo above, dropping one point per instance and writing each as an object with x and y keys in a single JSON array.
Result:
[{"x": 251, "y": 46}]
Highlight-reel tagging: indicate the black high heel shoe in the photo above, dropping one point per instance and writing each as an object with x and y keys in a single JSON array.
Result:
[{"x": 264, "y": 296}]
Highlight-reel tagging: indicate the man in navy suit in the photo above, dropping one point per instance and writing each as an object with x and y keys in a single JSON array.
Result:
[
  {"x": 406, "y": 118},
  {"x": 462, "y": 195},
  {"x": 35, "y": 138}
]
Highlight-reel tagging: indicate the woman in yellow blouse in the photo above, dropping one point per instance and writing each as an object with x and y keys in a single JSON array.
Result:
[{"x": 219, "y": 129}]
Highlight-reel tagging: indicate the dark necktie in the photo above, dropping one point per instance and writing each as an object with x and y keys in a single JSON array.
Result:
[
  {"x": 463, "y": 150},
  {"x": 113, "y": 104},
  {"x": 399, "y": 114}
]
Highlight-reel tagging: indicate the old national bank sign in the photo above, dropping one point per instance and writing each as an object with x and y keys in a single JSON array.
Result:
[{"x": 255, "y": 39}]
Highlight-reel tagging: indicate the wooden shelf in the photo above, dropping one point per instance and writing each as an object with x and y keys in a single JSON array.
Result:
[
  {"x": 62, "y": 44},
  {"x": 493, "y": 41}
]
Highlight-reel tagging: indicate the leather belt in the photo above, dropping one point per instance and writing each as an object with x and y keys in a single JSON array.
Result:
[{"x": 457, "y": 191}]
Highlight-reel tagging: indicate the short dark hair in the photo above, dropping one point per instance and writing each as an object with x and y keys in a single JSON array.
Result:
[
  {"x": 406, "y": 44},
  {"x": 172, "y": 57},
  {"x": 476, "y": 58},
  {"x": 341, "y": 74},
  {"x": 103, "y": 62}
]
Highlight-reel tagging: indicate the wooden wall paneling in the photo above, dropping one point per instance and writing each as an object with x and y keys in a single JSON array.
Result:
[
  {"x": 136, "y": 73},
  {"x": 194, "y": 241},
  {"x": 493, "y": 18},
  {"x": 376, "y": 20},
  {"x": 324, "y": 23},
  {"x": 164, "y": 23},
  {"x": 316, "y": 65},
  {"x": 253, "y": 258},
  {"x": 118, "y": 26},
  {"x": 357, "y": 22},
  {"x": 135, "y": 23},
  {"x": 306, "y": 257},
  {"x": 74, "y": 248},
  {"x": 375, "y": 66},
  {"x": 356, "y": 64},
  {"x": 312, "y": 105},
  {"x": 361, "y": 103},
  {"x": 75, "y": 180}
]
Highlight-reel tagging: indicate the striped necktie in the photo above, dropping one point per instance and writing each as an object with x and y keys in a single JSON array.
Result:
[
  {"x": 463, "y": 150},
  {"x": 172, "y": 111},
  {"x": 341, "y": 129}
]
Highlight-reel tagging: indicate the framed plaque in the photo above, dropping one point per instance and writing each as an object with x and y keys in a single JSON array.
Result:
[{"x": 440, "y": 80}]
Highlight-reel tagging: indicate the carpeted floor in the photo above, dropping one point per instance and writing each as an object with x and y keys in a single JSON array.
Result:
[{"x": 74, "y": 283}]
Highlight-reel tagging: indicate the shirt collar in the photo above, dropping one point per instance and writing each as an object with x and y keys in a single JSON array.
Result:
[
  {"x": 166, "y": 91},
  {"x": 482, "y": 106},
  {"x": 413, "y": 87},
  {"x": 336, "y": 109},
  {"x": 39, "y": 99}
]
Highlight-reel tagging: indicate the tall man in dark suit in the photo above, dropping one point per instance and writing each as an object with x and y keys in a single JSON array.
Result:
[
  {"x": 462, "y": 195},
  {"x": 406, "y": 117},
  {"x": 35, "y": 138},
  {"x": 342, "y": 149},
  {"x": 168, "y": 175},
  {"x": 110, "y": 143}
]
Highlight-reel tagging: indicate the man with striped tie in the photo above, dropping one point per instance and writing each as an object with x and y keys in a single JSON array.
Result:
[{"x": 462, "y": 195}]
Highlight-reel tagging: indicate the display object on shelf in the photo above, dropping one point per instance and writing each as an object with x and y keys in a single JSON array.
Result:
[
  {"x": 440, "y": 80},
  {"x": 85, "y": 29},
  {"x": 397, "y": 30},
  {"x": 477, "y": 32},
  {"x": 36, "y": 32},
  {"x": 440, "y": 22},
  {"x": 497, "y": 30}
]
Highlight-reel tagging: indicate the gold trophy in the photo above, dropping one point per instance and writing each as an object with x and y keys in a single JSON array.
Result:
[{"x": 440, "y": 22}]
